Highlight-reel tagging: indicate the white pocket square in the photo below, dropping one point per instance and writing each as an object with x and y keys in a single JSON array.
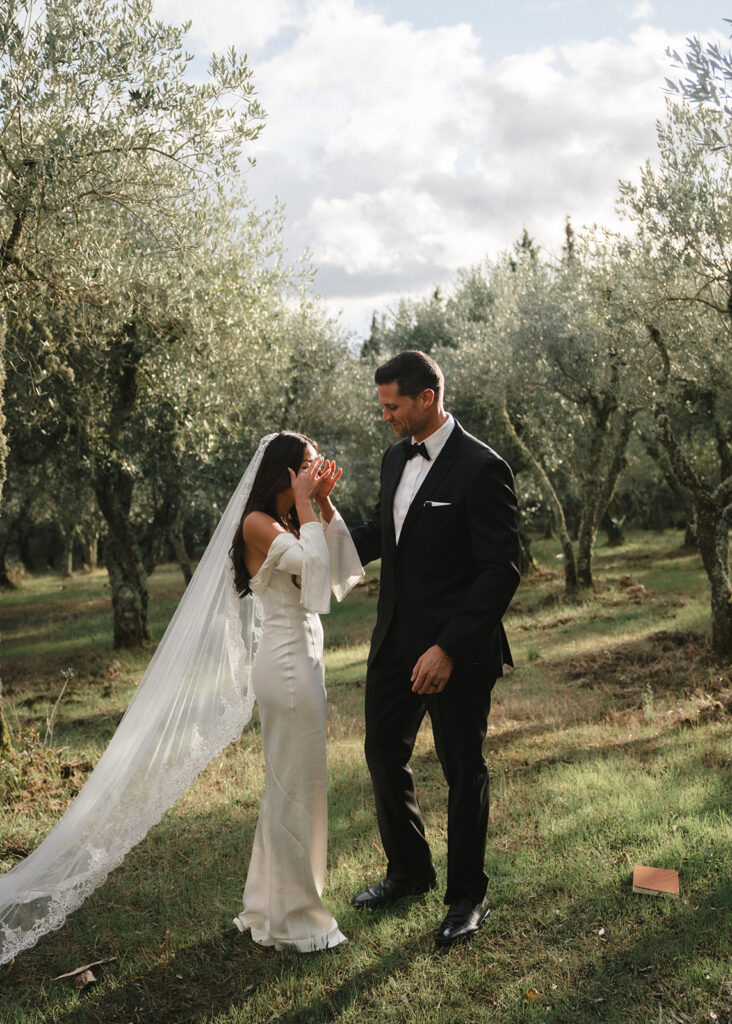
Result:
[{"x": 437, "y": 504}]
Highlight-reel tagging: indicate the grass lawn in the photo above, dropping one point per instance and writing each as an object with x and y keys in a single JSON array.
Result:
[{"x": 609, "y": 745}]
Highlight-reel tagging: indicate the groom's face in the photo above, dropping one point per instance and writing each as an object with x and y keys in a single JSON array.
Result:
[{"x": 407, "y": 416}]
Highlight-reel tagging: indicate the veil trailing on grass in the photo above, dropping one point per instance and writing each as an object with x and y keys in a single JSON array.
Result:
[{"x": 194, "y": 699}]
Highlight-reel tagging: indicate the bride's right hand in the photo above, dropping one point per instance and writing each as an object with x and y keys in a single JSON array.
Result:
[
  {"x": 329, "y": 477},
  {"x": 306, "y": 483}
]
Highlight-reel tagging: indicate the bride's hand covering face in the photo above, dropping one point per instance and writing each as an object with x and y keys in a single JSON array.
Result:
[
  {"x": 307, "y": 481},
  {"x": 329, "y": 477}
]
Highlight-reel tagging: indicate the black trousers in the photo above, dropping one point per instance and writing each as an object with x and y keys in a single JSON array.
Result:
[{"x": 459, "y": 717}]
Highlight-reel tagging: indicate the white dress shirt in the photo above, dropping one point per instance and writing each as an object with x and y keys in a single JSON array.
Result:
[{"x": 416, "y": 470}]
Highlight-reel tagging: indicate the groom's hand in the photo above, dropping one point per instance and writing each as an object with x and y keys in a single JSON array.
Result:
[{"x": 432, "y": 671}]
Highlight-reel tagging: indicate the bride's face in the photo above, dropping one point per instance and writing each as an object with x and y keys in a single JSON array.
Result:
[{"x": 307, "y": 456}]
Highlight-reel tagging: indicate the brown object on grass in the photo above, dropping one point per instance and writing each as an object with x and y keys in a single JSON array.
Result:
[
  {"x": 655, "y": 881},
  {"x": 86, "y": 967},
  {"x": 84, "y": 979}
]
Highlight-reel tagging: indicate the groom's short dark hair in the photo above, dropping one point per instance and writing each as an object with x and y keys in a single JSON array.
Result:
[{"x": 414, "y": 372}]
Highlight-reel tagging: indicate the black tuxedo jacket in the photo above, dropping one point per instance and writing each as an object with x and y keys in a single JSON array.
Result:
[{"x": 453, "y": 573}]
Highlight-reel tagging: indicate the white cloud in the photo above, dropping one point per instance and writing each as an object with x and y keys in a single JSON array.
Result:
[
  {"x": 352, "y": 85},
  {"x": 366, "y": 233},
  {"x": 533, "y": 75},
  {"x": 401, "y": 154},
  {"x": 407, "y": 150},
  {"x": 221, "y": 23},
  {"x": 641, "y": 11}
]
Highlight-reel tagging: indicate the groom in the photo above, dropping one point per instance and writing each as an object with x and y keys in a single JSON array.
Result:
[{"x": 445, "y": 528}]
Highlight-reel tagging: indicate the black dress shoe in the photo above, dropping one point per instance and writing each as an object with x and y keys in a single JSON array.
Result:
[
  {"x": 386, "y": 892},
  {"x": 462, "y": 922}
]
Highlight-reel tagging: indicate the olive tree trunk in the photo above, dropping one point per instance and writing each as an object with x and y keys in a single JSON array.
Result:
[
  {"x": 114, "y": 484},
  {"x": 613, "y": 528},
  {"x": 123, "y": 558},
  {"x": 128, "y": 580},
  {"x": 6, "y": 582},
  {"x": 90, "y": 548},
  {"x": 606, "y": 463},
  {"x": 66, "y": 562},
  {"x": 713, "y": 538},
  {"x": 712, "y": 513},
  {"x": 552, "y": 499},
  {"x": 5, "y": 744},
  {"x": 181, "y": 554}
]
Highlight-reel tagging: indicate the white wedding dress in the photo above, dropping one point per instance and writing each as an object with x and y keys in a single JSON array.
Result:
[{"x": 282, "y": 897}]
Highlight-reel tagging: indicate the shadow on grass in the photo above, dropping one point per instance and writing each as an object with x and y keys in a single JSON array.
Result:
[
  {"x": 642, "y": 749},
  {"x": 641, "y": 976},
  {"x": 186, "y": 878},
  {"x": 166, "y": 914},
  {"x": 222, "y": 975}
]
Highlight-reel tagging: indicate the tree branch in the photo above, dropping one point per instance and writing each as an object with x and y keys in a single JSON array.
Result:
[
  {"x": 6, "y": 250},
  {"x": 723, "y": 492},
  {"x": 681, "y": 465},
  {"x": 655, "y": 336}
]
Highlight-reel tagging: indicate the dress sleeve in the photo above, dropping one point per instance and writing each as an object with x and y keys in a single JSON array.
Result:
[
  {"x": 309, "y": 559},
  {"x": 345, "y": 565}
]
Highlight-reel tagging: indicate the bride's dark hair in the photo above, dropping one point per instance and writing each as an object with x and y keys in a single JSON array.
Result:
[{"x": 284, "y": 452}]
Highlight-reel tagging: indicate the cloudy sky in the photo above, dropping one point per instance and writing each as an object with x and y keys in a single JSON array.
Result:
[{"x": 408, "y": 138}]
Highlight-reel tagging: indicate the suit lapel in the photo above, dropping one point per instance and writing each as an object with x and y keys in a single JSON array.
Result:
[
  {"x": 442, "y": 466},
  {"x": 393, "y": 470}
]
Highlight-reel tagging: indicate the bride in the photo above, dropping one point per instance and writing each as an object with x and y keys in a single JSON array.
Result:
[
  {"x": 281, "y": 555},
  {"x": 195, "y": 697}
]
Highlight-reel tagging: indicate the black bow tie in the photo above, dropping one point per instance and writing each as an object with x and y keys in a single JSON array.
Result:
[{"x": 410, "y": 450}]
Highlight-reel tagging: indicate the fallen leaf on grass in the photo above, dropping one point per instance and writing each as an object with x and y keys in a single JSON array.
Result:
[
  {"x": 86, "y": 967},
  {"x": 84, "y": 979},
  {"x": 532, "y": 994}
]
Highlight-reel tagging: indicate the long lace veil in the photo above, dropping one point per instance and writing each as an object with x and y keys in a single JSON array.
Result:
[{"x": 194, "y": 698}]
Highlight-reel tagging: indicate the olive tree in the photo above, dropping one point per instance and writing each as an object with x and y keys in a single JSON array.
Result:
[
  {"x": 683, "y": 213},
  {"x": 97, "y": 114},
  {"x": 543, "y": 346}
]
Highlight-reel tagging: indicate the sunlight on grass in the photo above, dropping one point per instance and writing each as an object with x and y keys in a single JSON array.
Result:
[{"x": 605, "y": 750}]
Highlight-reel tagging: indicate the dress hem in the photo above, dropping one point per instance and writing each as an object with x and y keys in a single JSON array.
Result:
[{"x": 314, "y": 943}]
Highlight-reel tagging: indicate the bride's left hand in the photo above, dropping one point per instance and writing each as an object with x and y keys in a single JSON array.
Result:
[{"x": 328, "y": 478}]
